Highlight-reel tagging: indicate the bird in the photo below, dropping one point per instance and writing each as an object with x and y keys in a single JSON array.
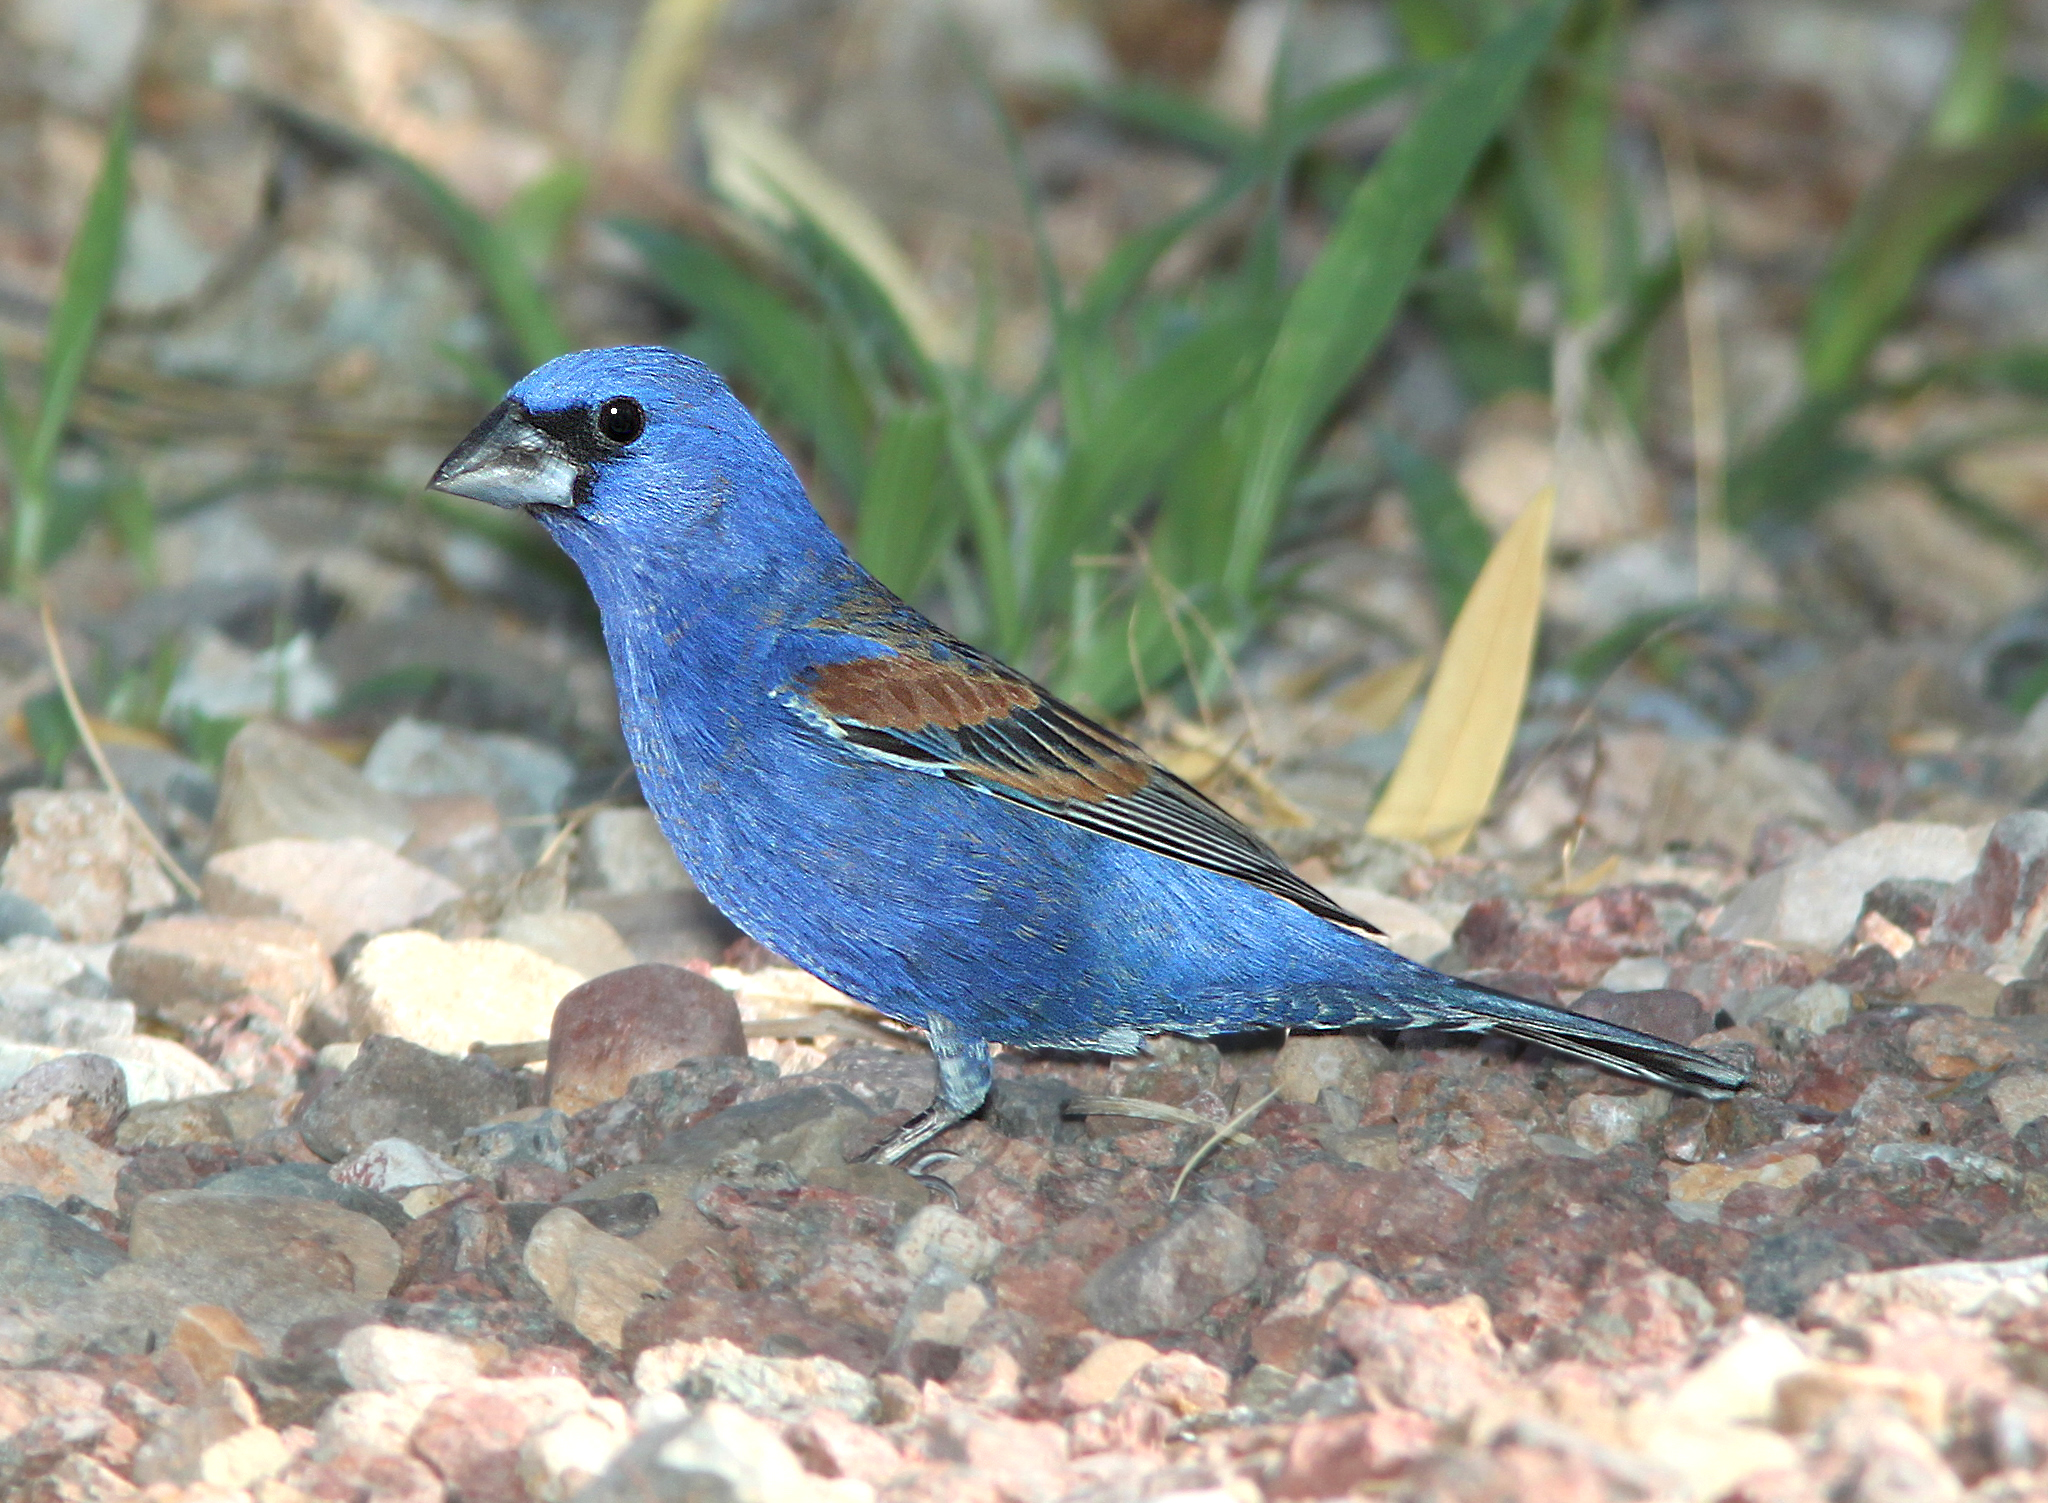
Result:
[{"x": 903, "y": 815}]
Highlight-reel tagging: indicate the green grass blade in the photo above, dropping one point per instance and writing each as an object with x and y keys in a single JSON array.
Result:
[
  {"x": 783, "y": 350},
  {"x": 1455, "y": 542},
  {"x": 540, "y": 213},
  {"x": 1343, "y": 307},
  {"x": 902, "y": 528},
  {"x": 1148, "y": 422},
  {"x": 1173, "y": 116},
  {"x": 86, "y": 285}
]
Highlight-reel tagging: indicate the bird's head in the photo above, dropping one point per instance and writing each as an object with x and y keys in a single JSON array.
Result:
[{"x": 635, "y": 449}]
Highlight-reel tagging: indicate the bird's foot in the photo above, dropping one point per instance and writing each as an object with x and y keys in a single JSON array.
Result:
[{"x": 919, "y": 1130}]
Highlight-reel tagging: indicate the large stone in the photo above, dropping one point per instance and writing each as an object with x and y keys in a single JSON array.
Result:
[
  {"x": 446, "y": 996},
  {"x": 720, "y": 1452},
  {"x": 47, "y": 1256},
  {"x": 1310, "y": 1063},
  {"x": 277, "y": 785},
  {"x": 78, "y": 856},
  {"x": 632, "y": 1022},
  {"x": 337, "y": 888},
  {"x": 229, "y": 1117},
  {"x": 397, "y": 1089},
  {"x": 625, "y": 852},
  {"x": 1815, "y": 903},
  {"x": 308, "y": 1182},
  {"x": 1169, "y": 1281},
  {"x": 86, "y": 1093},
  {"x": 184, "y": 968},
  {"x": 294, "y": 1240}
]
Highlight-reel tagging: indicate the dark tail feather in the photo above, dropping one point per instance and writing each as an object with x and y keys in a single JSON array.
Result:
[{"x": 1593, "y": 1040}]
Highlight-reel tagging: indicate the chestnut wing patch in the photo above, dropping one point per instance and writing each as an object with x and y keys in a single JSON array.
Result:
[{"x": 970, "y": 719}]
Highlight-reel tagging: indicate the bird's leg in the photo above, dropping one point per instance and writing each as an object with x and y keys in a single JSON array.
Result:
[{"x": 963, "y": 1086}]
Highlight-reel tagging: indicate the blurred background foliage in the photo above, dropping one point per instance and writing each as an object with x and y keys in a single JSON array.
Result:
[{"x": 1495, "y": 244}]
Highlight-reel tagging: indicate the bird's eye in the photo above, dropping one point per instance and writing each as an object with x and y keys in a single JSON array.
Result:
[{"x": 620, "y": 419}]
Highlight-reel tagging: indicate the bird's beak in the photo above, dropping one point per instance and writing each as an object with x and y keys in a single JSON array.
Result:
[{"x": 509, "y": 462}]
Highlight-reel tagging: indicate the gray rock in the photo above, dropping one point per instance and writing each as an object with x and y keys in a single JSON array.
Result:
[
  {"x": 671, "y": 1097},
  {"x": 1032, "y": 1107},
  {"x": 45, "y": 1255},
  {"x": 296, "y": 1240},
  {"x": 418, "y": 759},
  {"x": 85, "y": 1093},
  {"x": 1815, "y": 903},
  {"x": 20, "y": 915},
  {"x": 275, "y": 785},
  {"x": 1169, "y": 1281},
  {"x": 801, "y": 1128},
  {"x": 932, "y": 1330},
  {"x": 1783, "y": 1269},
  {"x": 307, "y": 1182},
  {"x": 396, "y": 1089},
  {"x": 1718, "y": 793},
  {"x": 1811, "y": 1010},
  {"x": 37, "y": 1015},
  {"x": 772, "y": 1388},
  {"x": 542, "y": 1139},
  {"x": 225, "y": 1117},
  {"x": 885, "y": 1079},
  {"x": 624, "y": 851}
]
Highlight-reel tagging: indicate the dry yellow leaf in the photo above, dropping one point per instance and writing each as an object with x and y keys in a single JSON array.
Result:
[
  {"x": 1453, "y": 762},
  {"x": 1377, "y": 700},
  {"x": 759, "y": 169}
]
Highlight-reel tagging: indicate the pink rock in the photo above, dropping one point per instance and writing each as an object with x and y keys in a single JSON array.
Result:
[
  {"x": 338, "y": 888},
  {"x": 471, "y": 1437},
  {"x": 631, "y": 1022},
  {"x": 368, "y": 1475},
  {"x": 832, "y": 1445},
  {"x": 1327, "y": 1458},
  {"x": 183, "y": 968},
  {"x": 1441, "y": 1360},
  {"x": 78, "y": 855}
]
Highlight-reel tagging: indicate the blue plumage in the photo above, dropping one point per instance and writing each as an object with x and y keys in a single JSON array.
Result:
[{"x": 902, "y": 815}]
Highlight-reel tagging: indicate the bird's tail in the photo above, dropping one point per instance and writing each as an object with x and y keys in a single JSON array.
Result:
[{"x": 1466, "y": 1006}]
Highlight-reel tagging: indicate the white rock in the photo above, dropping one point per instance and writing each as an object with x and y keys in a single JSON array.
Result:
[
  {"x": 445, "y": 996},
  {"x": 725, "y": 1452},
  {"x": 772, "y": 1387},
  {"x": 79, "y": 856},
  {"x": 374, "y": 1421},
  {"x": 560, "y": 1459},
  {"x": 939, "y": 1237},
  {"x": 226, "y": 681},
  {"x": 627, "y": 852},
  {"x": 391, "y": 1359},
  {"x": 392, "y": 1166},
  {"x": 156, "y": 1069},
  {"x": 1410, "y": 929},
  {"x": 1814, "y": 903},
  {"x": 1813, "y": 1009},
  {"x": 1637, "y": 973}
]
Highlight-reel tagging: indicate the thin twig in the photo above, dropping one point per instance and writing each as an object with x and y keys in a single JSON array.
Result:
[
  {"x": 1226, "y": 1131},
  {"x": 175, "y": 872},
  {"x": 1134, "y": 1106}
]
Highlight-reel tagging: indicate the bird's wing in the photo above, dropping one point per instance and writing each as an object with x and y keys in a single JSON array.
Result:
[{"x": 939, "y": 707}]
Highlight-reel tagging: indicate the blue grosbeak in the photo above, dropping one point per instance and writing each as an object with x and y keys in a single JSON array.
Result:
[{"x": 916, "y": 823}]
